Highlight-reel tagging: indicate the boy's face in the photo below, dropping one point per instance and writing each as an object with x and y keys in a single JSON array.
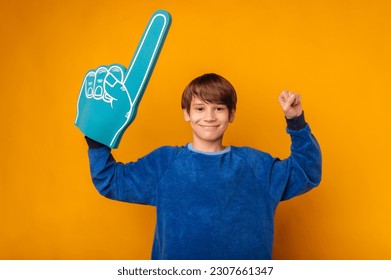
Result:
[{"x": 208, "y": 120}]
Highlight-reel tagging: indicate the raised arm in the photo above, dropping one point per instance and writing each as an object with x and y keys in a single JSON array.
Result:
[
  {"x": 302, "y": 170},
  {"x": 134, "y": 182}
]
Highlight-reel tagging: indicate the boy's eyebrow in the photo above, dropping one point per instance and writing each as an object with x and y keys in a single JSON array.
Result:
[{"x": 204, "y": 104}]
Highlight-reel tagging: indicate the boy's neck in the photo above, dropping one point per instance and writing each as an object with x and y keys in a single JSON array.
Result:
[{"x": 205, "y": 146}]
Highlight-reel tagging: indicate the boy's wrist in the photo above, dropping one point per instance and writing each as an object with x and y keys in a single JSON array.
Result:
[
  {"x": 296, "y": 123},
  {"x": 92, "y": 144}
]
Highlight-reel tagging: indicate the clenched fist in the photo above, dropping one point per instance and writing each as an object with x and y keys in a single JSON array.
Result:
[{"x": 291, "y": 104}]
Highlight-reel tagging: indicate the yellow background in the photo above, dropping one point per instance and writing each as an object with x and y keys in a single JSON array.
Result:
[{"x": 336, "y": 53}]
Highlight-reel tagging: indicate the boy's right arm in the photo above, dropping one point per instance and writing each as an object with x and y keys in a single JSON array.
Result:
[{"x": 134, "y": 182}]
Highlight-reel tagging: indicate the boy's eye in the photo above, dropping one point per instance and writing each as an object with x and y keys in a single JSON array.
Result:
[
  {"x": 199, "y": 108},
  {"x": 220, "y": 108}
]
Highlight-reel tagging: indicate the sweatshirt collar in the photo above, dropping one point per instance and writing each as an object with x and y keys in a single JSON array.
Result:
[{"x": 226, "y": 150}]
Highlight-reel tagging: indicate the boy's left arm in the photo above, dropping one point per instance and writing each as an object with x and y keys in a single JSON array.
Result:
[{"x": 304, "y": 166}]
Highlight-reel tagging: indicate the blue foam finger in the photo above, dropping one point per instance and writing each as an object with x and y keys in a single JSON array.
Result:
[{"x": 110, "y": 95}]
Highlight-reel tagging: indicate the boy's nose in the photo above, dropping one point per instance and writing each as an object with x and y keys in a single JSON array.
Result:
[{"x": 210, "y": 115}]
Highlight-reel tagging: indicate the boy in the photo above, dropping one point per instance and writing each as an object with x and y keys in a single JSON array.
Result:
[{"x": 213, "y": 201}]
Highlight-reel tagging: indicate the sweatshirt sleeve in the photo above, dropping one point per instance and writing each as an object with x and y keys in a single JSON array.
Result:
[
  {"x": 134, "y": 182},
  {"x": 301, "y": 171}
]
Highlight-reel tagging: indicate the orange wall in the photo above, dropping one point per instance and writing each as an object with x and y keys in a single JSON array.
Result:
[{"x": 336, "y": 53}]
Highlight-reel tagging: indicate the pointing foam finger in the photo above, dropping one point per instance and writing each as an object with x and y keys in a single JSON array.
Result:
[{"x": 147, "y": 53}]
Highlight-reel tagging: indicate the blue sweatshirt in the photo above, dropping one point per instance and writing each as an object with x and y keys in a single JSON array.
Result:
[{"x": 211, "y": 205}]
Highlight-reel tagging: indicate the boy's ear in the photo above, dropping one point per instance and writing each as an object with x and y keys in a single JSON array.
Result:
[
  {"x": 186, "y": 115},
  {"x": 232, "y": 116}
]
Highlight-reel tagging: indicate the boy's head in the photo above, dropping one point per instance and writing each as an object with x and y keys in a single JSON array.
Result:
[{"x": 210, "y": 88}]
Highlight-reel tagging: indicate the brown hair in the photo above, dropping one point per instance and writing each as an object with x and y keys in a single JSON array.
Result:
[{"x": 211, "y": 88}]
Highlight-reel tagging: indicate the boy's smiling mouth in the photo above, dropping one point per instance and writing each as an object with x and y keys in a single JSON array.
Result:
[{"x": 209, "y": 126}]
